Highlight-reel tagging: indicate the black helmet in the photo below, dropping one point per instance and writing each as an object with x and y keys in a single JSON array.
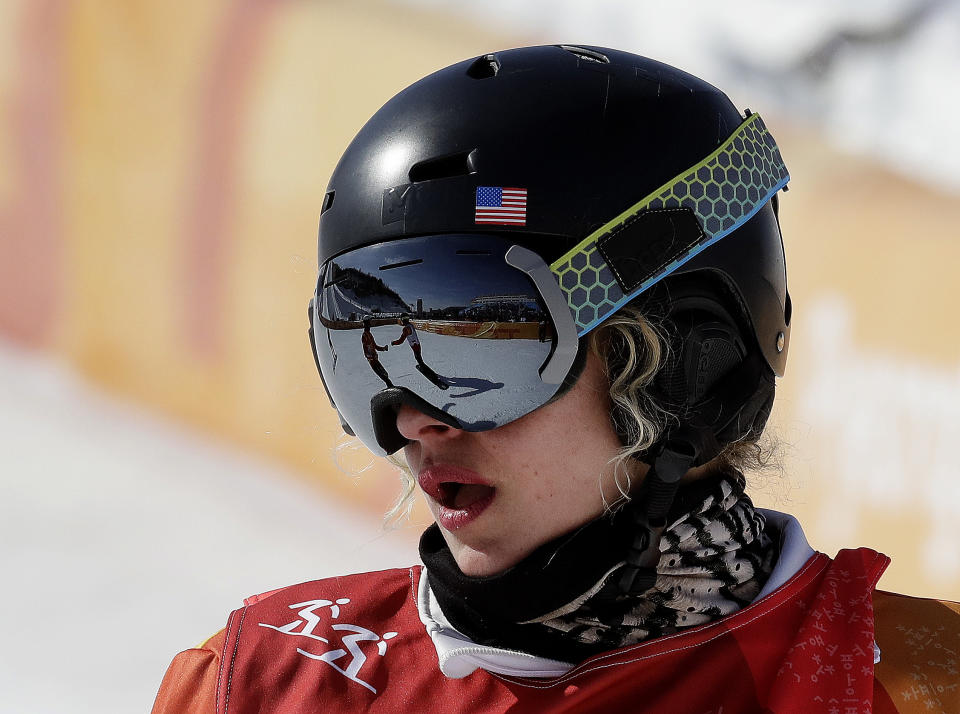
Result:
[
  {"x": 588, "y": 132},
  {"x": 621, "y": 174}
]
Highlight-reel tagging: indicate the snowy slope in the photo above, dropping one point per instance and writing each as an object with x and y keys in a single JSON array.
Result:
[{"x": 106, "y": 512}]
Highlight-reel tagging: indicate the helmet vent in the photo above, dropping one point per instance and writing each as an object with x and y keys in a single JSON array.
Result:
[
  {"x": 462, "y": 164},
  {"x": 327, "y": 202},
  {"x": 484, "y": 67},
  {"x": 585, "y": 54}
]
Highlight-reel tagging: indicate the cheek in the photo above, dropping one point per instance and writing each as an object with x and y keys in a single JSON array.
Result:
[
  {"x": 411, "y": 454},
  {"x": 561, "y": 472}
]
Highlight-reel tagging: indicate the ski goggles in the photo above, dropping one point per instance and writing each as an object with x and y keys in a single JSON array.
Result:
[
  {"x": 478, "y": 331},
  {"x": 471, "y": 328}
]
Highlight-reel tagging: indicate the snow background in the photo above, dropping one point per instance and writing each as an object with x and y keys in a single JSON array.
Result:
[
  {"x": 104, "y": 504},
  {"x": 878, "y": 77}
]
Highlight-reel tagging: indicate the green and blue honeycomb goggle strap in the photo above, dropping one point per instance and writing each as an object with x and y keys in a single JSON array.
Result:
[{"x": 671, "y": 225}]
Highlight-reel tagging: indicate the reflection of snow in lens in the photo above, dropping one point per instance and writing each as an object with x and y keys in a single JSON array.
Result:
[
  {"x": 493, "y": 389},
  {"x": 482, "y": 332}
]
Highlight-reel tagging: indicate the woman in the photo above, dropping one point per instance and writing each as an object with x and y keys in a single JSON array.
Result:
[
  {"x": 409, "y": 333},
  {"x": 594, "y": 549},
  {"x": 370, "y": 349}
]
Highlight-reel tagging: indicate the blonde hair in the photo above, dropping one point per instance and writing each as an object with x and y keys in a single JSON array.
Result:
[{"x": 632, "y": 350}]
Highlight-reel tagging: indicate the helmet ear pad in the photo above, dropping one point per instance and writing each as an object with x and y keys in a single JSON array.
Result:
[{"x": 715, "y": 382}]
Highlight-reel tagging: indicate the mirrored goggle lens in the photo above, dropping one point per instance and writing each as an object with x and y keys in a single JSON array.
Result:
[{"x": 446, "y": 318}]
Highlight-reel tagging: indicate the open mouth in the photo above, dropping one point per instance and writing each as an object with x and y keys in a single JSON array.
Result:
[{"x": 459, "y": 496}]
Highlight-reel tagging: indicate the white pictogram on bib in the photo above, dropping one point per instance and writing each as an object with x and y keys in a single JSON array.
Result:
[{"x": 349, "y": 647}]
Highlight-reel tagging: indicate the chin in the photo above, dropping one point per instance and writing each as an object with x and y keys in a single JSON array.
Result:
[
  {"x": 478, "y": 567},
  {"x": 480, "y": 564}
]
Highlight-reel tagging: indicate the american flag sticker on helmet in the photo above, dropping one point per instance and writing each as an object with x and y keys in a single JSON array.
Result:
[{"x": 501, "y": 206}]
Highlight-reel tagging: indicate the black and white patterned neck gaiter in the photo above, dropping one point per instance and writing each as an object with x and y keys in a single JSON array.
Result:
[{"x": 562, "y": 601}]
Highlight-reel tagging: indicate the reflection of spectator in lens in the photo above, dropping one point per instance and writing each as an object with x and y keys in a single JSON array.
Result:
[
  {"x": 370, "y": 349},
  {"x": 409, "y": 334}
]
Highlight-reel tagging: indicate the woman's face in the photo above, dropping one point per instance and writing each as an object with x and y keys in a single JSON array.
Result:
[{"x": 498, "y": 495}]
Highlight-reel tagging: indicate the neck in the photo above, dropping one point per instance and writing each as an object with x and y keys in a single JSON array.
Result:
[{"x": 562, "y": 600}]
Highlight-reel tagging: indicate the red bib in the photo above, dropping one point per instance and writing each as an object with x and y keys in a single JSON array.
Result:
[{"x": 356, "y": 644}]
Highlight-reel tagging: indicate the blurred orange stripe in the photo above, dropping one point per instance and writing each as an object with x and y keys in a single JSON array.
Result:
[
  {"x": 212, "y": 187},
  {"x": 31, "y": 226}
]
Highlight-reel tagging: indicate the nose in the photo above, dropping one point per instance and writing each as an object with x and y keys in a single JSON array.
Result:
[{"x": 414, "y": 425}]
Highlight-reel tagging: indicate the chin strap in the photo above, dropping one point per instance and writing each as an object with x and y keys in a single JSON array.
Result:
[
  {"x": 650, "y": 510},
  {"x": 707, "y": 425}
]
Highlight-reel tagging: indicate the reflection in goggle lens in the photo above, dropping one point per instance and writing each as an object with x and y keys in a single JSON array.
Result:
[{"x": 444, "y": 317}]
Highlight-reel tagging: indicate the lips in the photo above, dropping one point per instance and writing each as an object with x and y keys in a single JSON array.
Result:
[{"x": 461, "y": 495}]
